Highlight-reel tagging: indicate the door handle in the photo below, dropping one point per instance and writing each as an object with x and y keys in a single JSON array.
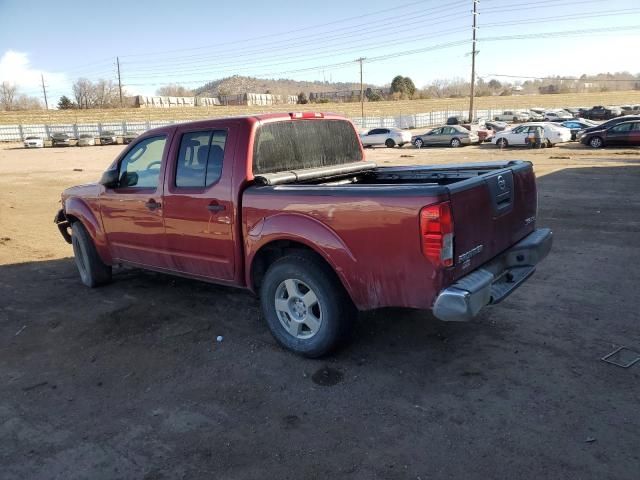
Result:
[
  {"x": 152, "y": 205},
  {"x": 215, "y": 208}
]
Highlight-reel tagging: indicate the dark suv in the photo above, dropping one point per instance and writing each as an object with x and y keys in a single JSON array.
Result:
[{"x": 599, "y": 113}]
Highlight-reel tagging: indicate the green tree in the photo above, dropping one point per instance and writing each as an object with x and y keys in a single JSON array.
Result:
[
  {"x": 410, "y": 87},
  {"x": 398, "y": 85},
  {"x": 65, "y": 103}
]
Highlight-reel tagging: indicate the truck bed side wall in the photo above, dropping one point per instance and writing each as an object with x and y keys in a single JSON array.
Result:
[{"x": 370, "y": 238}]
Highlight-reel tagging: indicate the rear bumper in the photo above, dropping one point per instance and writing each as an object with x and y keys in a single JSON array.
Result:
[{"x": 495, "y": 280}]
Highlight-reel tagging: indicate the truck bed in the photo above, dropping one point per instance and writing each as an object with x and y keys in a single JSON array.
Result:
[{"x": 493, "y": 206}]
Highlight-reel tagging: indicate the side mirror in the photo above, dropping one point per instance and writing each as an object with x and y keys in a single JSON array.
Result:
[{"x": 110, "y": 179}]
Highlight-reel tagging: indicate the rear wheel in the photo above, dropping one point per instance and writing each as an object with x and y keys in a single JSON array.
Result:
[
  {"x": 502, "y": 143},
  {"x": 596, "y": 142},
  {"x": 390, "y": 143},
  {"x": 305, "y": 306},
  {"x": 455, "y": 142},
  {"x": 418, "y": 143},
  {"x": 93, "y": 272}
]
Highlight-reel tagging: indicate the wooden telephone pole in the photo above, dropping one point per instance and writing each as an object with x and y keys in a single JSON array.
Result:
[
  {"x": 473, "y": 59},
  {"x": 119, "y": 80},
  {"x": 361, "y": 59},
  {"x": 44, "y": 92}
]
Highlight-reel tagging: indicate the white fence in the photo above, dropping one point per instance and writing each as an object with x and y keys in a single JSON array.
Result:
[{"x": 15, "y": 133}]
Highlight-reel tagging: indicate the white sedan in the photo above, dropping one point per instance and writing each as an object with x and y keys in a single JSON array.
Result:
[
  {"x": 33, "y": 142},
  {"x": 389, "y": 137},
  {"x": 553, "y": 134},
  {"x": 557, "y": 116}
]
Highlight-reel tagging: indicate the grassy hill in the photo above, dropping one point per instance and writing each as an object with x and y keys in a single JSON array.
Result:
[
  {"x": 388, "y": 108},
  {"x": 239, "y": 84}
]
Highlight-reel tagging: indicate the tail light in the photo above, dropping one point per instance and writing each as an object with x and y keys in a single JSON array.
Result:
[{"x": 436, "y": 233}]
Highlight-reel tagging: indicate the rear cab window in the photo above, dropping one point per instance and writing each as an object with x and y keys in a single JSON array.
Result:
[{"x": 298, "y": 144}]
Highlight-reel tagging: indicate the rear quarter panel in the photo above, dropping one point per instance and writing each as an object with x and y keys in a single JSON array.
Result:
[{"x": 370, "y": 236}]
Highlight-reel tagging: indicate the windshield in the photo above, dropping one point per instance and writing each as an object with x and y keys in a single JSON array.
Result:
[{"x": 300, "y": 144}]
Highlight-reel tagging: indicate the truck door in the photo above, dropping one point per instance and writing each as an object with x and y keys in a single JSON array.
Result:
[
  {"x": 132, "y": 211},
  {"x": 199, "y": 212}
]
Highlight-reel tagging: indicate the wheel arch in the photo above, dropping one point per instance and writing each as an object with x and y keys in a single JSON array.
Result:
[
  {"x": 288, "y": 233},
  {"x": 77, "y": 210}
]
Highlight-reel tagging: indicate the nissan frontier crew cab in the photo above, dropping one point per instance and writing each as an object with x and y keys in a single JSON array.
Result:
[{"x": 286, "y": 206}]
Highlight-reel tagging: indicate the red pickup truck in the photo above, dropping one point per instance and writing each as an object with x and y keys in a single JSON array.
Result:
[{"x": 286, "y": 206}]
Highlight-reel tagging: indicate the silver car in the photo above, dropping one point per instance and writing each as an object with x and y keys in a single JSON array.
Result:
[{"x": 452, "y": 135}]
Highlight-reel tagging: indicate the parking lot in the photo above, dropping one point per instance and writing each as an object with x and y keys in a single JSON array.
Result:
[{"x": 128, "y": 381}]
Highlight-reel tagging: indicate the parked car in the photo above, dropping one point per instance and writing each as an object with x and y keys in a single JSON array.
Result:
[
  {"x": 457, "y": 120},
  {"x": 496, "y": 126},
  {"x": 518, "y": 136},
  {"x": 540, "y": 111},
  {"x": 601, "y": 113},
  {"x": 557, "y": 116},
  {"x": 632, "y": 110},
  {"x": 390, "y": 137},
  {"x": 86, "y": 140},
  {"x": 513, "y": 116},
  {"x": 33, "y": 141},
  {"x": 535, "y": 116},
  {"x": 575, "y": 111},
  {"x": 607, "y": 124},
  {"x": 622, "y": 134},
  {"x": 129, "y": 137},
  {"x": 452, "y": 135},
  {"x": 60, "y": 140},
  {"x": 303, "y": 222},
  {"x": 108, "y": 138},
  {"x": 577, "y": 125}
]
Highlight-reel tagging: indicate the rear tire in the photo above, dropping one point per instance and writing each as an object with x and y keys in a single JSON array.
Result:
[
  {"x": 306, "y": 308},
  {"x": 455, "y": 143},
  {"x": 418, "y": 143},
  {"x": 502, "y": 143},
  {"x": 93, "y": 271},
  {"x": 390, "y": 143},
  {"x": 596, "y": 142}
]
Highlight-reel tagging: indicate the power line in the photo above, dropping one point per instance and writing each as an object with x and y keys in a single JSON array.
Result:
[
  {"x": 269, "y": 35},
  {"x": 297, "y": 46}
]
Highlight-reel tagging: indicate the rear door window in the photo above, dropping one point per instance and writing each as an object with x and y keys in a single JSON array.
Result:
[{"x": 200, "y": 158}]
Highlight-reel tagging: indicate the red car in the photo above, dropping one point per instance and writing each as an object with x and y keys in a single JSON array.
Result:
[
  {"x": 623, "y": 134},
  {"x": 286, "y": 206}
]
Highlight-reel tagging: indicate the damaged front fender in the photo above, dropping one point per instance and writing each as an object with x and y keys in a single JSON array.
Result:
[{"x": 63, "y": 225}]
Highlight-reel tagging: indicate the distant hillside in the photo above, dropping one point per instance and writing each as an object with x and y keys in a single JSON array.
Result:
[{"x": 282, "y": 86}]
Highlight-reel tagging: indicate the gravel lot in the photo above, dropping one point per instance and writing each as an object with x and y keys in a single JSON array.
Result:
[{"x": 128, "y": 381}]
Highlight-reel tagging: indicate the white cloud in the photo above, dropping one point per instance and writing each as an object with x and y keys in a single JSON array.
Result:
[{"x": 15, "y": 67}]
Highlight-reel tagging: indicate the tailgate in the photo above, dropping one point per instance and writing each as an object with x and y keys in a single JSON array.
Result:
[{"x": 491, "y": 212}]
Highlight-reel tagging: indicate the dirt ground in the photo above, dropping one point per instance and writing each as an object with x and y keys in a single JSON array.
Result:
[{"x": 128, "y": 381}]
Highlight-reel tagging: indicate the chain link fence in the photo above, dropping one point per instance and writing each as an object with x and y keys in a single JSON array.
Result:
[{"x": 17, "y": 133}]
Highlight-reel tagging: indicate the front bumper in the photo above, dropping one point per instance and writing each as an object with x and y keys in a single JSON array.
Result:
[
  {"x": 495, "y": 280},
  {"x": 63, "y": 225}
]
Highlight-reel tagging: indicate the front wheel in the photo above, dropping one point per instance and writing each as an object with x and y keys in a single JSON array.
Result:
[
  {"x": 418, "y": 143},
  {"x": 596, "y": 142},
  {"x": 305, "y": 306},
  {"x": 93, "y": 272},
  {"x": 390, "y": 143},
  {"x": 502, "y": 143},
  {"x": 455, "y": 142}
]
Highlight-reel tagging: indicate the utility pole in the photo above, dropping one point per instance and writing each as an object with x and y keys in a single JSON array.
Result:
[
  {"x": 120, "y": 80},
  {"x": 473, "y": 59},
  {"x": 44, "y": 91},
  {"x": 361, "y": 59}
]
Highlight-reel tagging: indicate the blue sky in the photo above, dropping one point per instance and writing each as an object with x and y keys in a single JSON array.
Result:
[{"x": 194, "y": 41}]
